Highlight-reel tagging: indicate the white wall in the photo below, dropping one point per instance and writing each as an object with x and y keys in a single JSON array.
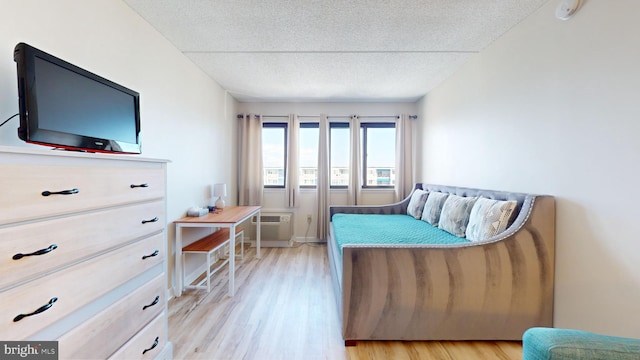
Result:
[
  {"x": 274, "y": 199},
  {"x": 184, "y": 114},
  {"x": 553, "y": 108}
]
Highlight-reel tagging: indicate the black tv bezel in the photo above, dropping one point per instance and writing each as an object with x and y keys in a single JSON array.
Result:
[{"x": 29, "y": 130}]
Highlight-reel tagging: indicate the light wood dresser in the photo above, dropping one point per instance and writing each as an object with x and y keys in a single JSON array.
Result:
[{"x": 83, "y": 253}]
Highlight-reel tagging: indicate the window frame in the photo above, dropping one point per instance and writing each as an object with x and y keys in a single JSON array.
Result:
[
  {"x": 308, "y": 125},
  {"x": 338, "y": 125},
  {"x": 364, "y": 126},
  {"x": 285, "y": 127}
]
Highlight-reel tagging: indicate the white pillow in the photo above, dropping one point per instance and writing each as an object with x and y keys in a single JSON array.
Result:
[
  {"x": 433, "y": 207},
  {"x": 455, "y": 214},
  {"x": 416, "y": 204},
  {"x": 488, "y": 218}
]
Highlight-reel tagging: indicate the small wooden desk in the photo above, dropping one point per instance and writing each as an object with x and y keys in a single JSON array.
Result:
[{"x": 229, "y": 217}]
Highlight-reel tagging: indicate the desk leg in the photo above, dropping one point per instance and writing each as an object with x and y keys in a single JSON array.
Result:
[
  {"x": 232, "y": 259},
  {"x": 258, "y": 236},
  {"x": 177, "y": 271}
]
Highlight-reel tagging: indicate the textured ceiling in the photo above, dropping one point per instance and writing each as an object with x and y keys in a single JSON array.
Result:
[{"x": 317, "y": 50}]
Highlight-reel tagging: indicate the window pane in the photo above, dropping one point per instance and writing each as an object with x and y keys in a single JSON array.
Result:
[
  {"x": 339, "y": 161},
  {"x": 308, "y": 154},
  {"x": 273, "y": 154},
  {"x": 379, "y": 161}
]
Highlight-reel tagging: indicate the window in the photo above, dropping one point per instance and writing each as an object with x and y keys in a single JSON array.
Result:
[
  {"x": 274, "y": 154},
  {"x": 378, "y": 141},
  {"x": 339, "y": 140},
  {"x": 308, "y": 154}
]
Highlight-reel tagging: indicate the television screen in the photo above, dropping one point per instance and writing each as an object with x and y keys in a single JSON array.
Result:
[{"x": 62, "y": 105}]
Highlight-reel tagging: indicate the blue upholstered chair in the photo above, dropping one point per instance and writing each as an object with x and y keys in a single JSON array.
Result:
[{"x": 563, "y": 344}]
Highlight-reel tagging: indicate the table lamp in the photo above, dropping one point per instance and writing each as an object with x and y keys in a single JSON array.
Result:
[{"x": 220, "y": 190}]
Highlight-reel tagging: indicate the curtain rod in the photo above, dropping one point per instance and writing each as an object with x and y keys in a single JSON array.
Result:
[
  {"x": 413, "y": 117},
  {"x": 240, "y": 116}
]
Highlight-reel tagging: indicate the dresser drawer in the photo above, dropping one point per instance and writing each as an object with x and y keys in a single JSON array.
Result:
[
  {"x": 74, "y": 287},
  {"x": 75, "y": 237},
  {"x": 147, "y": 344},
  {"x": 118, "y": 323},
  {"x": 23, "y": 187}
]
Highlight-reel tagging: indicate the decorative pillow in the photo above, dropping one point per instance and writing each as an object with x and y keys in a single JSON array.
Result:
[
  {"x": 488, "y": 218},
  {"x": 433, "y": 207},
  {"x": 416, "y": 204},
  {"x": 455, "y": 214}
]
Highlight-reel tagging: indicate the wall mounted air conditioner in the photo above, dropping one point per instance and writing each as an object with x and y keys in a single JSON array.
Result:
[{"x": 276, "y": 229}]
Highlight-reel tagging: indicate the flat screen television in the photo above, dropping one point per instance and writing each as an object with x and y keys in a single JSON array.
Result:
[{"x": 64, "y": 106}]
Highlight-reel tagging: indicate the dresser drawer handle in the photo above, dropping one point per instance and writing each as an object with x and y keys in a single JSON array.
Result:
[
  {"x": 150, "y": 221},
  {"x": 63, "y": 192},
  {"x": 155, "y": 343},
  {"x": 133, "y": 186},
  {"x": 155, "y": 253},
  {"x": 153, "y": 303},
  {"x": 19, "y": 256},
  {"x": 41, "y": 309}
]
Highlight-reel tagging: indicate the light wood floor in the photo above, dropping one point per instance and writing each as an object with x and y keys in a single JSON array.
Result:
[{"x": 284, "y": 308}]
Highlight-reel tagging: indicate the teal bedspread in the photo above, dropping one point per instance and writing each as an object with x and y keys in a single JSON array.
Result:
[{"x": 374, "y": 229}]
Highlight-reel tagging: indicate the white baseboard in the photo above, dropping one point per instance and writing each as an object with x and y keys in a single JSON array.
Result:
[
  {"x": 285, "y": 243},
  {"x": 302, "y": 239},
  {"x": 202, "y": 268},
  {"x": 272, "y": 243},
  {"x": 190, "y": 278}
]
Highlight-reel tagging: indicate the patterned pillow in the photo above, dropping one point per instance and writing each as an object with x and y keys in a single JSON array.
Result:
[
  {"x": 488, "y": 218},
  {"x": 416, "y": 204},
  {"x": 455, "y": 214},
  {"x": 433, "y": 207}
]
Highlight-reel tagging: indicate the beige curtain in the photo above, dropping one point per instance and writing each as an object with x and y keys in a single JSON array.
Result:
[
  {"x": 250, "y": 176},
  {"x": 355, "y": 163},
  {"x": 405, "y": 176},
  {"x": 293, "y": 175},
  {"x": 324, "y": 178}
]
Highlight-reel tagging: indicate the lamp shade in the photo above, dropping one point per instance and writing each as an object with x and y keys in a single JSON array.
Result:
[{"x": 220, "y": 190}]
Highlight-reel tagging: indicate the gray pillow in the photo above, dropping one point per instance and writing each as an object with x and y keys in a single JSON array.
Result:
[
  {"x": 416, "y": 204},
  {"x": 433, "y": 207},
  {"x": 455, "y": 214},
  {"x": 488, "y": 218}
]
